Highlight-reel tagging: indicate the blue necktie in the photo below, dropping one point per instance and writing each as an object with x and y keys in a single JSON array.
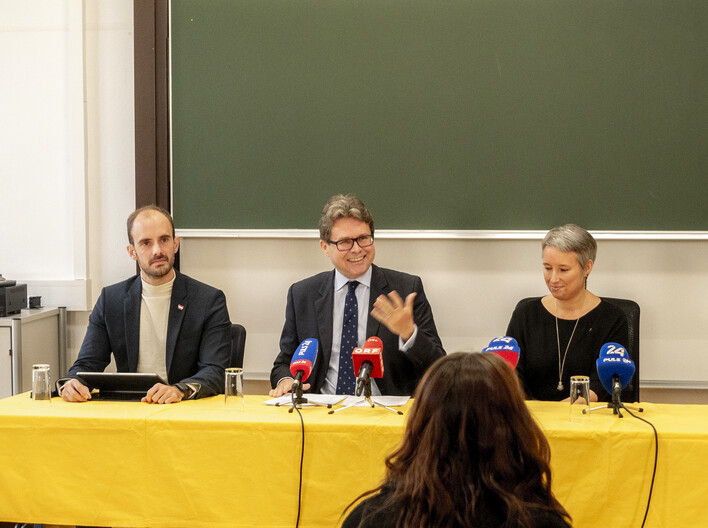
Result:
[{"x": 350, "y": 336}]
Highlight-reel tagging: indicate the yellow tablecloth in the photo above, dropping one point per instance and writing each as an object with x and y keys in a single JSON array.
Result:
[{"x": 198, "y": 464}]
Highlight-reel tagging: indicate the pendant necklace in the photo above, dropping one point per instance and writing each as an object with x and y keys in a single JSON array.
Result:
[{"x": 561, "y": 365}]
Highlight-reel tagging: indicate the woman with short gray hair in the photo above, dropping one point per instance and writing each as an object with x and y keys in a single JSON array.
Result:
[{"x": 561, "y": 334}]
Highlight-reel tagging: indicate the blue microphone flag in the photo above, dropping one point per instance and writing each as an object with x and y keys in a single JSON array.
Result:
[{"x": 609, "y": 366}]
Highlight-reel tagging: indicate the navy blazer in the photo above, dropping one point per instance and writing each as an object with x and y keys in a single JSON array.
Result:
[
  {"x": 309, "y": 314},
  {"x": 198, "y": 333}
]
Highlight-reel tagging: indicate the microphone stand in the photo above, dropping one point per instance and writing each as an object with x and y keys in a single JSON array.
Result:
[
  {"x": 616, "y": 404},
  {"x": 298, "y": 400},
  {"x": 367, "y": 397}
]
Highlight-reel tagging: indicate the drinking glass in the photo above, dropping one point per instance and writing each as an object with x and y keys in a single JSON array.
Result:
[
  {"x": 233, "y": 390},
  {"x": 579, "y": 390},
  {"x": 41, "y": 383}
]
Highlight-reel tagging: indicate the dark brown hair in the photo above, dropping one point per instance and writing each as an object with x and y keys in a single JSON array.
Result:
[
  {"x": 341, "y": 206},
  {"x": 470, "y": 446},
  {"x": 134, "y": 215}
]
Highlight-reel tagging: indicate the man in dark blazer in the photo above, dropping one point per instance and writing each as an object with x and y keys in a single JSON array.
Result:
[
  {"x": 159, "y": 321},
  {"x": 315, "y": 306}
]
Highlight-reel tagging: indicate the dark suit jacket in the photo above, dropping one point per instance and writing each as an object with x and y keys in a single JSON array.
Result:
[
  {"x": 198, "y": 338},
  {"x": 309, "y": 314}
]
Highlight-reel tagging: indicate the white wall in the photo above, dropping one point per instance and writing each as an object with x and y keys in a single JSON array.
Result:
[
  {"x": 473, "y": 286},
  {"x": 42, "y": 157},
  {"x": 110, "y": 126},
  {"x": 67, "y": 165}
]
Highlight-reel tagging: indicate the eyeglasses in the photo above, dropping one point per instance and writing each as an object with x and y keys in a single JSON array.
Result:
[{"x": 347, "y": 243}]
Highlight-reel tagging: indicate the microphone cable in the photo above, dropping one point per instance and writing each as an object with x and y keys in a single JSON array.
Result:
[
  {"x": 302, "y": 458},
  {"x": 656, "y": 457}
]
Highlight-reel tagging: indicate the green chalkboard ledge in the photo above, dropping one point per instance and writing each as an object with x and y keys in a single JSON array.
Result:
[{"x": 425, "y": 234}]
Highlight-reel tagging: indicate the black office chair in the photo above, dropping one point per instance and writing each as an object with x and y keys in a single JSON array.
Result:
[
  {"x": 631, "y": 310},
  {"x": 238, "y": 345}
]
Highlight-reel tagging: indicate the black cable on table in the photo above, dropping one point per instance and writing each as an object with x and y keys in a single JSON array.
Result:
[{"x": 656, "y": 458}]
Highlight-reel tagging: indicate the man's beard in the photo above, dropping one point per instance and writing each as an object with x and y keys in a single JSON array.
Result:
[{"x": 157, "y": 273}]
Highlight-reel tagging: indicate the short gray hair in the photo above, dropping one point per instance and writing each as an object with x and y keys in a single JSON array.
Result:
[
  {"x": 341, "y": 206},
  {"x": 570, "y": 237}
]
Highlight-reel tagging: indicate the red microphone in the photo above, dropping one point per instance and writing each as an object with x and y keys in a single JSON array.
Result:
[{"x": 368, "y": 362}]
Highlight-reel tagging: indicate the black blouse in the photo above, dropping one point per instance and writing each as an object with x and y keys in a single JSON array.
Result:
[{"x": 534, "y": 328}]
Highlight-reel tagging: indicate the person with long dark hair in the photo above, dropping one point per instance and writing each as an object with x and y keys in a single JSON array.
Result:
[{"x": 471, "y": 456}]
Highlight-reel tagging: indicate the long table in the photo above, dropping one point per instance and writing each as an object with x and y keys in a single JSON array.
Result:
[{"x": 199, "y": 464}]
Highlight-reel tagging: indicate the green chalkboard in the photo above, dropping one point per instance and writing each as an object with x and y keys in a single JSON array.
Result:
[{"x": 441, "y": 114}]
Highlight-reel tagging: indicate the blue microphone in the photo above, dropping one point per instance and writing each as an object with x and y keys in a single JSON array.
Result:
[
  {"x": 505, "y": 347},
  {"x": 303, "y": 360},
  {"x": 615, "y": 373},
  {"x": 615, "y": 370}
]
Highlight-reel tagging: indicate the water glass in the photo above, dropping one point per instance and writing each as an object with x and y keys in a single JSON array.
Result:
[
  {"x": 579, "y": 390},
  {"x": 233, "y": 390},
  {"x": 41, "y": 383}
]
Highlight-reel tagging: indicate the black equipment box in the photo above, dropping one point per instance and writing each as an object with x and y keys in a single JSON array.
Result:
[{"x": 12, "y": 299}]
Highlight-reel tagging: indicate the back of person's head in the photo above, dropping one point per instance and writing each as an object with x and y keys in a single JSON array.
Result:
[
  {"x": 343, "y": 206},
  {"x": 470, "y": 447},
  {"x": 571, "y": 237}
]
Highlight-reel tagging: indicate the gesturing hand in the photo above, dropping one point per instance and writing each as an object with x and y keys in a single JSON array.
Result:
[{"x": 394, "y": 314}]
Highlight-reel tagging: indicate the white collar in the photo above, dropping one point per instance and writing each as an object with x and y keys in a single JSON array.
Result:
[{"x": 340, "y": 280}]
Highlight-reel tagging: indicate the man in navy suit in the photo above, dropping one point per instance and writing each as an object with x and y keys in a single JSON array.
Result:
[
  {"x": 316, "y": 309},
  {"x": 159, "y": 321}
]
